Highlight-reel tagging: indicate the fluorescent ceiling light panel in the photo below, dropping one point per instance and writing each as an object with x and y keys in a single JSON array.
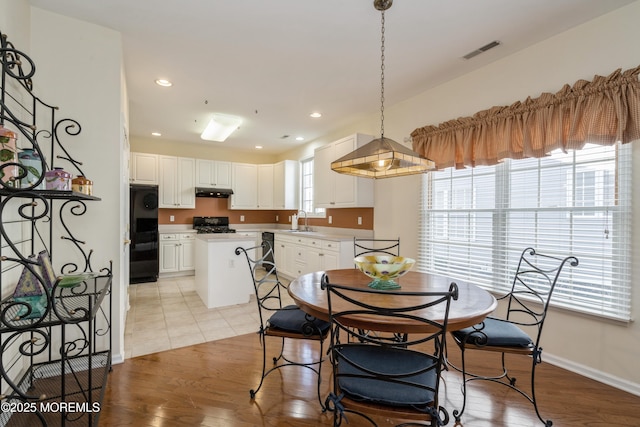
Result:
[{"x": 220, "y": 127}]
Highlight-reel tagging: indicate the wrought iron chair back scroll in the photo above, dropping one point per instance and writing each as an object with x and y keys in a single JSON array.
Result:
[
  {"x": 377, "y": 376},
  {"x": 527, "y": 302},
  {"x": 376, "y": 247},
  {"x": 277, "y": 320}
]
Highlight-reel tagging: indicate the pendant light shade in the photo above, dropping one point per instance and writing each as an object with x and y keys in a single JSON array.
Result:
[{"x": 382, "y": 157}]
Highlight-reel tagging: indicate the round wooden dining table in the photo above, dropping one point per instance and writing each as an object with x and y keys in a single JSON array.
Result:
[{"x": 471, "y": 307}]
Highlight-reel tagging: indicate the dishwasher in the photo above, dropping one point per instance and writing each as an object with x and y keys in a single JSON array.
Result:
[{"x": 269, "y": 237}]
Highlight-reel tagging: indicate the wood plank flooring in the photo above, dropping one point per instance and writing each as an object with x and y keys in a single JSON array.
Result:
[{"x": 208, "y": 385}]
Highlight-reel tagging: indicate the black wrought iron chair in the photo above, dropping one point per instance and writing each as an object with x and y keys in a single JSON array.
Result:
[
  {"x": 277, "y": 320},
  {"x": 374, "y": 376},
  {"x": 376, "y": 247},
  {"x": 527, "y": 303}
]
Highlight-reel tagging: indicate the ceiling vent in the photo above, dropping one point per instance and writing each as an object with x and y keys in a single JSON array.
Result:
[{"x": 482, "y": 49}]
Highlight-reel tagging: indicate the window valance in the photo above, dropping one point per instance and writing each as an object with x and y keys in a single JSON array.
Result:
[{"x": 601, "y": 111}]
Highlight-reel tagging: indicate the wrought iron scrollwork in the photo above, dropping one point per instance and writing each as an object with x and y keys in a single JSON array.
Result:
[{"x": 61, "y": 331}]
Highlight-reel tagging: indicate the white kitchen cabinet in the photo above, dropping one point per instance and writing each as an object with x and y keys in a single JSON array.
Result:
[
  {"x": 284, "y": 255},
  {"x": 286, "y": 184},
  {"x": 177, "y": 253},
  {"x": 334, "y": 190},
  {"x": 244, "y": 182},
  {"x": 265, "y": 186},
  {"x": 297, "y": 254},
  {"x": 143, "y": 168},
  {"x": 177, "y": 182},
  {"x": 213, "y": 174}
]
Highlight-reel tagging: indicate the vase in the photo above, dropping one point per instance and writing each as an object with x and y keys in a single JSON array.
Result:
[
  {"x": 8, "y": 154},
  {"x": 58, "y": 179},
  {"x": 31, "y": 160}
]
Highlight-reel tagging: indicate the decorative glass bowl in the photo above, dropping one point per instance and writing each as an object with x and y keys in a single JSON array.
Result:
[{"x": 383, "y": 269}]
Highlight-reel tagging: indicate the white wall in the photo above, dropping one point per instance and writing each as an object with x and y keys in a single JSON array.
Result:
[
  {"x": 601, "y": 349},
  {"x": 79, "y": 70}
]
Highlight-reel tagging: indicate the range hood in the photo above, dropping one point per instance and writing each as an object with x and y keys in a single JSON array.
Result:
[{"x": 221, "y": 193}]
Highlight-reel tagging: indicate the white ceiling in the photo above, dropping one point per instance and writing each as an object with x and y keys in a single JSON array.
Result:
[{"x": 274, "y": 62}]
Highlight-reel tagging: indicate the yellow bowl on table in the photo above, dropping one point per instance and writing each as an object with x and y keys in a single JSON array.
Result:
[{"x": 383, "y": 269}]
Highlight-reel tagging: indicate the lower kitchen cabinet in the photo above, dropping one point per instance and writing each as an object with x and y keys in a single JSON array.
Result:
[
  {"x": 297, "y": 255},
  {"x": 177, "y": 253}
]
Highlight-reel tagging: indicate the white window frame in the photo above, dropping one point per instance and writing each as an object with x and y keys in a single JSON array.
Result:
[
  {"x": 307, "y": 181},
  {"x": 487, "y": 255}
]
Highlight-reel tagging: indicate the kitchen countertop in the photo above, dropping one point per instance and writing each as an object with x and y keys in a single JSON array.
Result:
[
  {"x": 312, "y": 234},
  {"x": 222, "y": 237}
]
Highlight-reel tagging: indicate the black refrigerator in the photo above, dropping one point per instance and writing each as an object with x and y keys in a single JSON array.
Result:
[{"x": 143, "y": 223}]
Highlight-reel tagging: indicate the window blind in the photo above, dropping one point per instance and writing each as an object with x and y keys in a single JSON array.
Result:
[{"x": 476, "y": 222}]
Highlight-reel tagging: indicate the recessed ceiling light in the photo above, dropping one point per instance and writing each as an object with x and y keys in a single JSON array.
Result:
[
  {"x": 315, "y": 115},
  {"x": 299, "y": 138},
  {"x": 164, "y": 83},
  {"x": 259, "y": 147},
  {"x": 156, "y": 134}
]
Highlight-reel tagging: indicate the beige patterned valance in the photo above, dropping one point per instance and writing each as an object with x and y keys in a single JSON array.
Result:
[{"x": 601, "y": 111}]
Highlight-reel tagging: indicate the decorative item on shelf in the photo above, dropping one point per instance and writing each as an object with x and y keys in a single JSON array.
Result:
[
  {"x": 29, "y": 294},
  {"x": 48, "y": 274},
  {"x": 8, "y": 155},
  {"x": 383, "y": 269},
  {"x": 82, "y": 185},
  {"x": 30, "y": 159},
  {"x": 73, "y": 280},
  {"x": 58, "y": 179}
]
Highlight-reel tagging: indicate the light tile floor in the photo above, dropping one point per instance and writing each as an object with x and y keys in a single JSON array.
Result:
[{"x": 169, "y": 314}]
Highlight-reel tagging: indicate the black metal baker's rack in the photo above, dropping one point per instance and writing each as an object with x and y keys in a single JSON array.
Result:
[{"x": 54, "y": 362}]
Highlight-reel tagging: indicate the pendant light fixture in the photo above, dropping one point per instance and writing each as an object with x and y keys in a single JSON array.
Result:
[{"x": 382, "y": 157}]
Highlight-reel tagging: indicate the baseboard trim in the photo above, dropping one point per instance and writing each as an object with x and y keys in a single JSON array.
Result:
[
  {"x": 586, "y": 371},
  {"x": 117, "y": 359}
]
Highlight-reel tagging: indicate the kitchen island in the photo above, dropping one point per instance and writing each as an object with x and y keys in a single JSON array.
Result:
[{"x": 222, "y": 277}]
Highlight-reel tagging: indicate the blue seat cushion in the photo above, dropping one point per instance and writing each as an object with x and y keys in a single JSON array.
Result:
[
  {"x": 292, "y": 319},
  {"x": 499, "y": 333},
  {"x": 387, "y": 361}
]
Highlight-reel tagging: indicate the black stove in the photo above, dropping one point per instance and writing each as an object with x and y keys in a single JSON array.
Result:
[{"x": 212, "y": 224}]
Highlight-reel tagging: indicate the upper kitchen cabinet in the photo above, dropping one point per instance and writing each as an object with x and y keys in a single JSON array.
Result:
[
  {"x": 176, "y": 185},
  {"x": 265, "y": 186},
  {"x": 286, "y": 184},
  {"x": 244, "y": 182},
  {"x": 213, "y": 174},
  {"x": 143, "y": 168},
  {"x": 334, "y": 190}
]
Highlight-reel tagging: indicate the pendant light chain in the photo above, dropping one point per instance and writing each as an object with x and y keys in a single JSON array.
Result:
[{"x": 382, "y": 79}]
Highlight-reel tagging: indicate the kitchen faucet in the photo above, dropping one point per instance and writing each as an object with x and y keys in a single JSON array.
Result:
[{"x": 306, "y": 226}]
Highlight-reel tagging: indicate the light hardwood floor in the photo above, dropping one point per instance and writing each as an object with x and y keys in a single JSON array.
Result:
[{"x": 208, "y": 385}]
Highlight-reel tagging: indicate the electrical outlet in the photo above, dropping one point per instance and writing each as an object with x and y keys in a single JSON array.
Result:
[
  {"x": 330, "y": 219},
  {"x": 241, "y": 218},
  {"x": 172, "y": 218},
  {"x": 289, "y": 218},
  {"x": 359, "y": 220},
  {"x": 277, "y": 218}
]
